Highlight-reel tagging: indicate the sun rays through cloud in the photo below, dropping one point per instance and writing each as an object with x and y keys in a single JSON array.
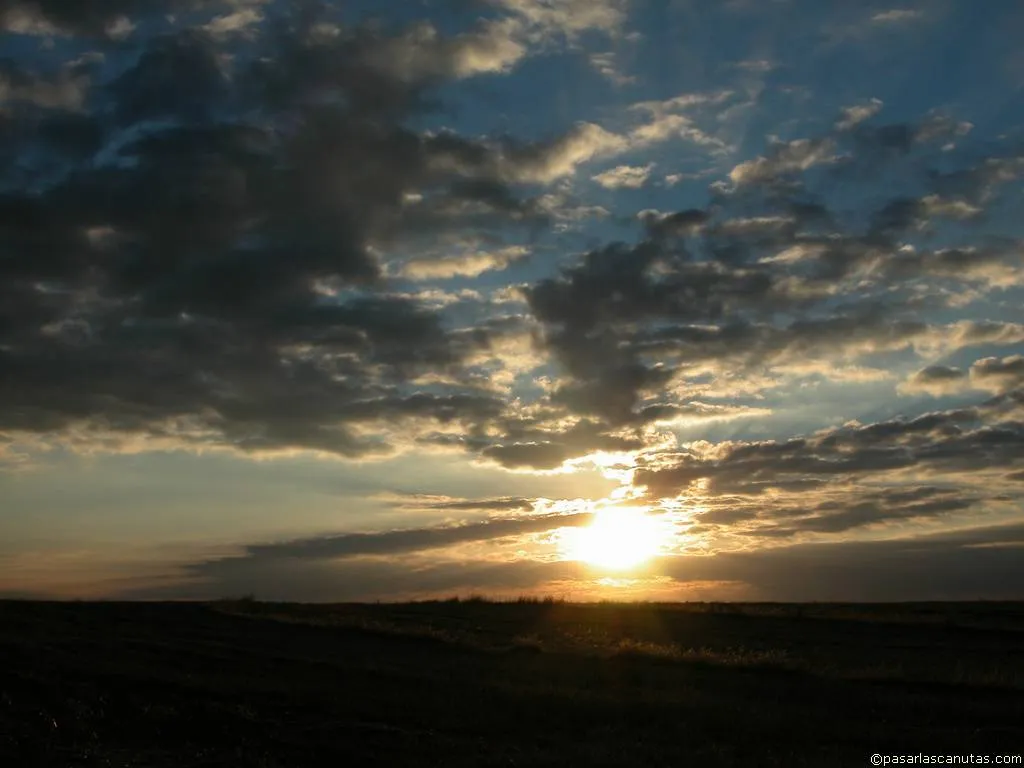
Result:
[{"x": 363, "y": 300}]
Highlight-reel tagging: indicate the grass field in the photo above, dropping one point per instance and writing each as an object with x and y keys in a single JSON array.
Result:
[{"x": 476, "y": 683}]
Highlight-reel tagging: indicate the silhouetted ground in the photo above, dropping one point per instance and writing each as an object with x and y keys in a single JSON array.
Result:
[{"x": 471, "y": 683}]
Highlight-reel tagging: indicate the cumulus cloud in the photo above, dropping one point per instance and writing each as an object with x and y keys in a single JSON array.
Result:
[
  {"x": 468, "y": 264},
  {"x": 499, "y": 44},
  {"x": 853, "y": 116},
  {"x": 998, "y": 375},
  {"x": 676, "y": 118},
  {"x": 67, "y": 89},
  {"x": 569, "y": 17},
  {"x": 936, "y": 380},
  {"x": 694, "y": 299},
  {"x": 628, "y": 176},
  {"x": 186, "y": 277},
  {"x": 552, "y": 159},
  {"x": 422, "y": 51},
  {"x": 220, "y": 243},
  {"x": 785, "y": 158},
  {"x": 548, "y": 161},
  {"x": 665, "y": 127},
  {"x": 674, "y": 224},
  {"x": 881, "y": 476},
  {"x": 238, "y": 21},
  {"x": 113, "y": 19}
]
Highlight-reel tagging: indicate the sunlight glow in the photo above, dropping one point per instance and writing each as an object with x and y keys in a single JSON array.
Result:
[{"x": 617, "y": 539}]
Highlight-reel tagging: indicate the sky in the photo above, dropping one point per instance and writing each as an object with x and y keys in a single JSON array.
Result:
[{"x": 597, "y": 299}]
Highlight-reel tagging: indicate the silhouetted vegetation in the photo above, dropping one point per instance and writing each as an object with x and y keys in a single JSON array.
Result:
[{"x": 527, "y": 681}]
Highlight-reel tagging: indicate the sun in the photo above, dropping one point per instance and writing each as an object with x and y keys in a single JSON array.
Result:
[{"x": 617, "y": 540}]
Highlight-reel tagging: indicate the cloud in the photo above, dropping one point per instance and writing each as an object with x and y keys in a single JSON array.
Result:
[
  {"x": 628, "y": 321},
  {"x": 226, "y": 259},
  {"x": 981, "y": 183},
  {"x": 936, "y": 380},
  {"x": 409, "y": 540},
  {"x": 665, "y": 127},
  {"x": 589, "y": 310},
  {"x": 113, "y": 19},
  {"x": 938, "y": 445},
  {"x": 430, "y": 503},
  {"x": 176, "y": 292},
  {"x": 998, "y": 375},
  {"x": 956, "y": 565},
  {"x": 469, "y": 264},
  {"x": 67, "y": 90},
  {"x": 509, "y": 161},
  {"x": 624, "y": 176},
  {"x": 759, "y": 66},
  {"x": 218, "y": 237},
  {"x": 52, "y": 17},
  {"x": 697, "y": 413},
  {"x": 545, "y": 162},
  {"x": 241, "y": 20},
  {"x": 528, "y": 446},
  {"x": 966, "y": 563},
  {"x": 876, "y": 509},
  {"x": 682, "y": 102},
  {"x": 569, "y": 17},
  {"x": 495, "y": 46},
  {"x": 676, "y": 224},
  {"x": 784, "y": 158},
  {"x": 550, "y": 160},
  {"x": 605, "y": 63},
  {"x": 853, "y": 116},
  {"x": 366, "y": 561},
  {"x": 665, "y": 121},
  {"x": 896, "y": 16}
]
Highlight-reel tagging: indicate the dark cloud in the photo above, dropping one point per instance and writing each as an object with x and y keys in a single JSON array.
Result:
[
  {"x": 213, "y": 274},
  {"x": 767, "y": 277},
  {"x": 353, "y": 579},
  {"x": 999, "y": 375},
  {"x": 177, "y": 76},
  {"x": 679, "y": 224},
  {"x": 937, "y": 443},
  {"x": 979, "y": 183},
  {"x": 879, "y": 143},
  {"x": 442, "y": 408},
  {"x": 178, "y": 283},
  {"x": 597, "y": 313},
  {"x": 965, "y": 564},
  {"x": 64, "y": 16},
  {"x": 869, "y": 508},
  {"x": 432, "y": 503},
  {"x": 524, "y": 446},
  {"x": 411, "y": 540},
  {"x": 936, "y": 380},
  {"x": 100, "y": 18},
  {"x": 289, "y": 563},
  {"x": 205, "y": 237}
]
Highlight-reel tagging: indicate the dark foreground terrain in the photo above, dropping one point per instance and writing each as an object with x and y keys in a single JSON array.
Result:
[{"x": 472, "y": 683}]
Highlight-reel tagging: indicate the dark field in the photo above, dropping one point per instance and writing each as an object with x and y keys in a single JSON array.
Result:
[{"x": 473, "y": 683}]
